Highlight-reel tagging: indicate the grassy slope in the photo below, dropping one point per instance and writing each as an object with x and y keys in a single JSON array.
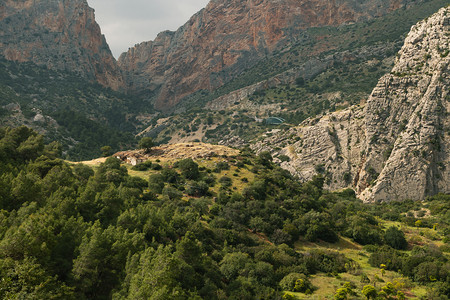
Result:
[{"x": 326, "y": 284}]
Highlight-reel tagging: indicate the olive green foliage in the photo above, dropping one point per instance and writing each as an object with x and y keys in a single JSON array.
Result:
[
  {"x": 189, "y": 168},
  {"x": 369, "y": 291},
  {"x": 70, "y": 231},
  {"x": 296, "y": 282},
  {"x": 88, "y": 115},
  {"x": 106, "y": 151},
  {"x": 425, "y": 264},
  {"x": 395, "y": 238},
  {"x": 146, "y": 143}
]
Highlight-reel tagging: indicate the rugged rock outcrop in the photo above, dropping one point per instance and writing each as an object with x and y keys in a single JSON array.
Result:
[
  {"x": 228, "y": 36},
  {"x": 395, "y": 146},
  {"x": 59, "y": 34}
]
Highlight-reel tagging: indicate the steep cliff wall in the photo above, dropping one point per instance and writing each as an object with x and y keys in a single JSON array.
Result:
[
  {"x": 395, "y": 146},
  {"x": 61, "y": 34},
  {"x": 227, "y": 37}
]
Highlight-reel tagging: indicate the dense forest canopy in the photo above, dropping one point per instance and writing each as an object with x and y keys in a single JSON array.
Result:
[{"x": 187, "y": 231}]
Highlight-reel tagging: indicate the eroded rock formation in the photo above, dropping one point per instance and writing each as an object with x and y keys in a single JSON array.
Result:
[
  {"x": 395, "y": 146},
  {"x": 227, "y": 37},
  {"x": 59, "y": 34}
]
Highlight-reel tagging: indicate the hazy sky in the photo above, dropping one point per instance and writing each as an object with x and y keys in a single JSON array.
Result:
[{"x": 128, "y": 22}]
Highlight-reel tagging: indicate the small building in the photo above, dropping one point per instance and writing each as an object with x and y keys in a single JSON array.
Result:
[{"x": 130, "y": 157}]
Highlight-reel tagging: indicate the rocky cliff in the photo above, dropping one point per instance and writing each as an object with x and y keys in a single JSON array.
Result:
[
  {"x": 61, "y": 34},
  {"x": 227, "y": 37},
  {"x": 395, "y": 146}
]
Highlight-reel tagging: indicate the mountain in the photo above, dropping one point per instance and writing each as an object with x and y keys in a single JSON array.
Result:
[
  {"x": 60, "y": 35},
  {"x": 294, "y": 83},
  {"x": 393, "y": 147},
  {"x": 226, "y": 38},
  {"x": 58, "y": 76},
  {"x": 65, "y": 107}
]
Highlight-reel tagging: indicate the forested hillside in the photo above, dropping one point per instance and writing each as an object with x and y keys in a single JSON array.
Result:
[
  {"x": 221, "y": 228},
  {"x": 63, "y": 106}
]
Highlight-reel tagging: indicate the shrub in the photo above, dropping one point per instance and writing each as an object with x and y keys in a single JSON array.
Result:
[
  {"x": 189, "y": 168},
  {"x": 284, "y": 158},
  {"x": 197, "y": 189},
  {"x": 369, "y": 291},
  {"x": 392, "y": 258},
  {"x": 171, "y": 193},
  {"x": 225, "y": 181},
  {"x": 395, "y": 238},
  {"x": 156, "y": 183},
  {"x": 296, "y": 282},
  {"x": 142, "y": 166},
  {"x": 221, "y": 165}
]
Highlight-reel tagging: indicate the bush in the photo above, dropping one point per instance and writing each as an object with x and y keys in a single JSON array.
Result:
[
  {"x": 388, "y": 256},
  {"x": 189, "y": 168},
  {"x": 197, "y": 189},
  {"x": 284, "y": 158},
  {"x": 296, "y": 282},
  {"x": 156, "y": 183},
  {"x": 265, "y": 158},
  {"x": 143, "y": 166},
  {"x": 395, "y": 238},
  {"x": 221, "y": 165},
  {"x": 171, "y": 193},
  {"x": 225, "y": 181}
]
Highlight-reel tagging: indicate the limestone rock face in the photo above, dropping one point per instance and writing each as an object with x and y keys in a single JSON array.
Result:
[
  {"x": 407, "y": 112},
  {"x": 394, "y": 147},
  {"x": 60, "y": 34},
  {"x": 227, "y": 37}
]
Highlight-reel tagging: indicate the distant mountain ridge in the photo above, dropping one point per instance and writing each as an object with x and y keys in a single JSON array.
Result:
[
  {"x": 61, "y": 35},
  {"x": 227, "y": 37},
  {"x": 215, "y": 46}
]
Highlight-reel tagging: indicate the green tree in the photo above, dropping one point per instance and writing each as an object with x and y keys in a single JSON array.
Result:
[
  {"x": 395, "y": 238},
  {"x": 188, "y": 168},
  {"x": 341, "y": 294},
  {"x": 197, "y": 189},
  {"x": 369, "y": 291},
  {"x": 295, "y": 282},
  {"x": 157, "y": 276},
  {"x": 172, "y": 193},
  {"x": 102, "y": 258},
  {"x": 300, "y": 81},
  {"x": 389, "y": 289},
  {"x": 26, "y": 279},
  {"x": 106, "y": 151},
  {"x": 156, "y": 183},
  {"x": 146, "y": 143},
  {"x": 32, "y": 147},
  {"x": 26, "y": 187},
  {"x": 234, "y": 264},
  {"x": 265, "y": 159}
]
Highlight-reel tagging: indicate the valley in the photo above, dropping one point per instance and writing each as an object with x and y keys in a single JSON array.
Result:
[{"x": 267, "y": 149}]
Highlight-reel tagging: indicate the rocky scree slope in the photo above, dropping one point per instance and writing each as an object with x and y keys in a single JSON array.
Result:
[
  {"x": 227, "y": 37},
  {"x": 395, "y": 146},
  {"x": 61, "y": 35}
]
